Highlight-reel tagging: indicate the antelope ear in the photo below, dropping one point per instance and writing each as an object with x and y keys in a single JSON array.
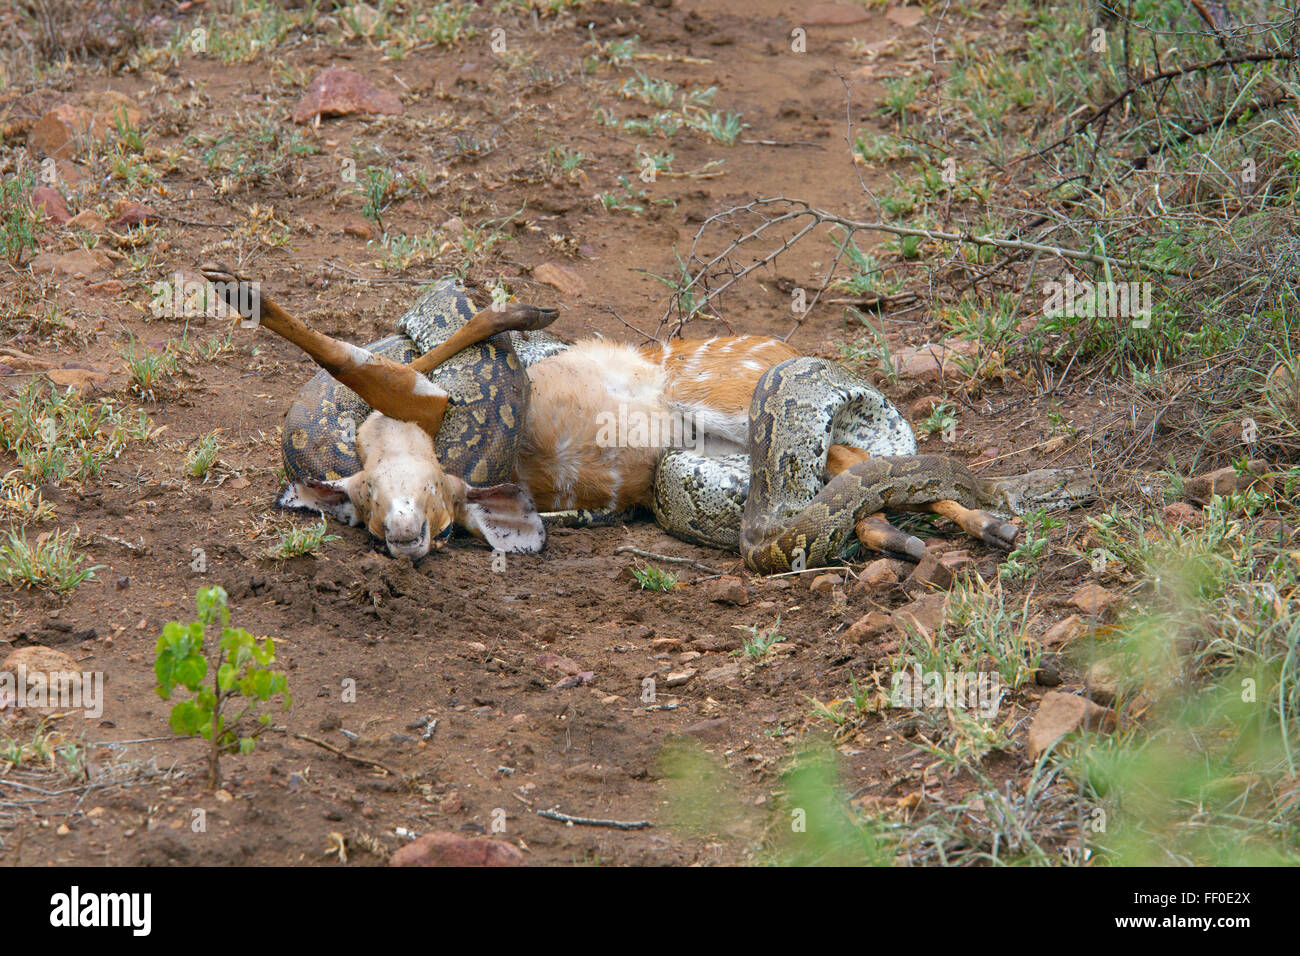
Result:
[
  {"x": 334, "y": 498},
  {"x": 504, "y": 516}
]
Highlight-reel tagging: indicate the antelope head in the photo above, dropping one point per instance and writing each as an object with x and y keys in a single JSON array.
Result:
[
  {"x": 401, "y": 494},
  {"x": 404, "y": 498}
]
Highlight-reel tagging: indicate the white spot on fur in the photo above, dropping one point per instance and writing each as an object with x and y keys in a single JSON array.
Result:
[
  {"x": 359, "y": 356},
  {"x": 425, "y": 387}
]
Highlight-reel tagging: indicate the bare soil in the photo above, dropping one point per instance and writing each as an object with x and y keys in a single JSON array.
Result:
[{"x": 450, "y": 639}]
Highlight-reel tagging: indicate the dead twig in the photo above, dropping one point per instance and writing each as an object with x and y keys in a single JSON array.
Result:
[
  {"x": 651, "y": 556},
  {"x": 363, "y": 761},
  {"x": 591, "y": 822}
]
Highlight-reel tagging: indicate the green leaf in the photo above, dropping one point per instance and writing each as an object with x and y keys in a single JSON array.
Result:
[
  {"x": 187, "y": 719},
  {"x": 191, "y": 671}
]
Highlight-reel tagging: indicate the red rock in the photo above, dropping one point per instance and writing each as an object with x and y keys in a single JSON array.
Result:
[
  {"x": 728, "y": 589},
  {"x": 561, "y": 277},
  {"x": 880, "y": 573},
  {"x": 708, "y": 729},
  {"x": 56, "y": 132},
  {"x": 868, "y": 627},
  {"x": 930, "y": 363},
  {"x": 1093, "y": 600},
  {"x": 1181, "y": 513},
  {"x": 1201, "y": 488},
  {"x": 81, "y": 379},
  {"x": 87, "y": 219},
  {"x": 926, "y": 613},
  {"x": 931, "y": 573},
  {"x": 81, "y": 262},
  {"x": 362, "y": 230},
  {"x": 132, "y": 214},
  {"x": 61, "y": 131},
  {"x": 1102, "y": 681},
  {"x": 452, "y": 849},
  {"x": 1059, "y": 714},
  {"x": 678, "y": 678},
  {"x": 1064, "y": 631},
  {"x": 110, "y": 108},
  {"x": 48, "y": 204},
  {"x": 722, "y": 675},
  {"x": 906, "y": 16},
  {"x": 924, "y": 406},
  {"x": 555, "y": 662},
  {"x": 52, "y": 665},
  {"x": 23, "y": 362},
  {"x": 20, "y": 112},
  {"x": 956, "y": 561},
  {"x": 825, "y": 583},
  {"x": 337, "y": 91}
]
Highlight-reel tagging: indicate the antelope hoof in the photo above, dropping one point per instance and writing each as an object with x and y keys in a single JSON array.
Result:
[
  {"x": 216, "y": 272},
  {"x": 880, "y": 535},
  {"x": 527, "y": 318},
  {"x": 992, "y": 530}
]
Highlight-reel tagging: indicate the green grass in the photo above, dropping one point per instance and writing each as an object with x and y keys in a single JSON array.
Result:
[
  {"x": 17, "y": 219},
  {"x": 262, "y": 152},
  {"x": 51, "y": 563},
  {"x": 652, "y": 578},
  {"x": 759, "y": 643},
  {"x": 1218, "y": 197},
  {"x": 202, "y": 456},
  {"x": 1208, "y": 774},
  {"x": 1027, "y": 558},
  {"x": 149, "y": 367},
  {"x": 300, "y": 541},
  {"x": 58, "y": 436}
]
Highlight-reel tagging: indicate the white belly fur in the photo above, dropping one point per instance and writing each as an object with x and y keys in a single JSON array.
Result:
[{"x": 598, "y": 422}]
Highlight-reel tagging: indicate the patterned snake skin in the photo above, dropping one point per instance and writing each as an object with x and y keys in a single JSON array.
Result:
[
  {"x": 812, "y": 404},
  {"x": 487, "y": 383},
  {"x": 773, "y": 505}
]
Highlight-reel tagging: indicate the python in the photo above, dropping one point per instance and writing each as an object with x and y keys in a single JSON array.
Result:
[{"x": 790, "y": 455}]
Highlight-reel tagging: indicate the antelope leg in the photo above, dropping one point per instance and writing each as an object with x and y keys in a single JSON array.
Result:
[
  {"x": 397, "y": 391},
  {"x": 879, "y": 535},
  {"x": 513, "y": 317},
  {"x": 986, "y": 527}
]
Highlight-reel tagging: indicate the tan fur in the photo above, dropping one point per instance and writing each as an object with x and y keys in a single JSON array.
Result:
[
  {"x": 581, "y": 397},
  {"x": 401, "y": 493},
  {"x": 720, "y": 373},
  {"x": 567, "y": 459}
]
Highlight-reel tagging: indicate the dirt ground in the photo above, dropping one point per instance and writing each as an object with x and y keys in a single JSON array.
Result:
[{"x": 452, "y": 639}]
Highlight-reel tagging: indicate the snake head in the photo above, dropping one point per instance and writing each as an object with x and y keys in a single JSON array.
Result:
[{"x": 1050, "y": 488}]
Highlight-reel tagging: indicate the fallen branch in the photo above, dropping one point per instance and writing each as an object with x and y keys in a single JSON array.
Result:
[
  {"x": 363, "y": 761},
  {"x": 652, "y": 556},
  {"x": 589, "y": 822},
  {"x": 819, "y": 217}
]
